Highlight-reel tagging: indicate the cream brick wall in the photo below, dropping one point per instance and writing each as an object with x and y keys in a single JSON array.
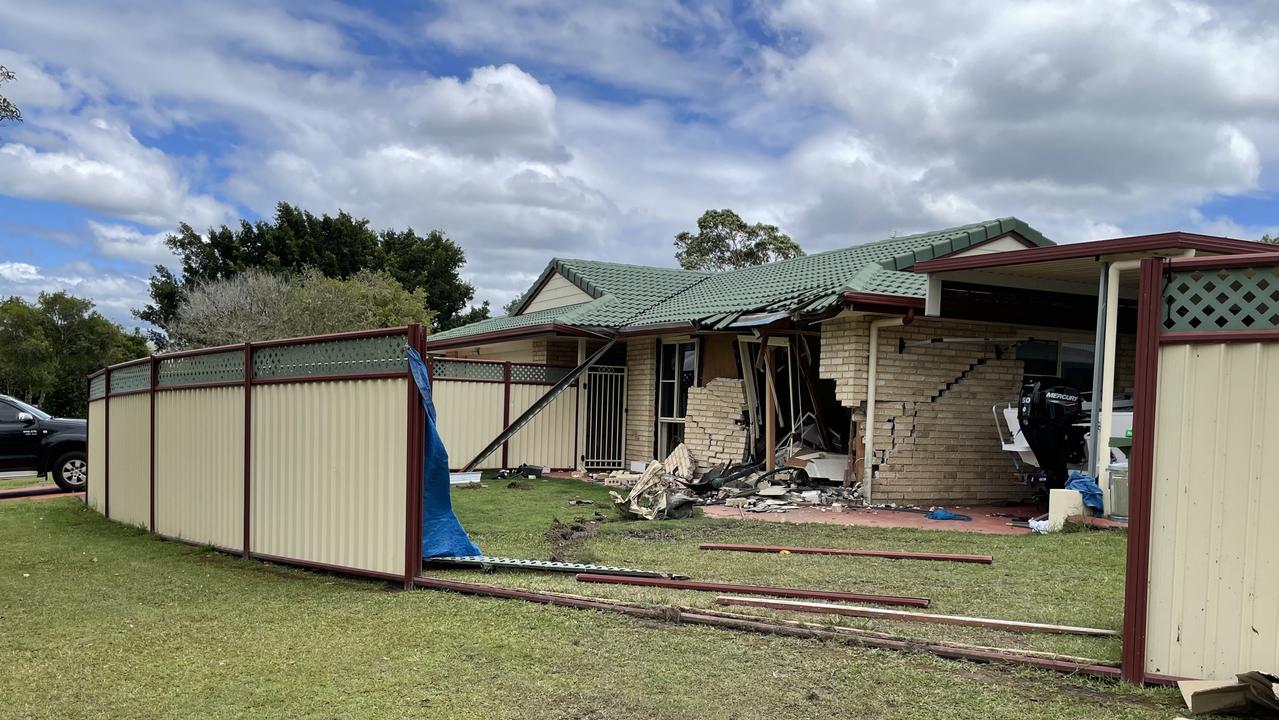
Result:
[
  {"x": 555, "y": 352},
  {"x": 935, "y": 437},
  {"x": 641, "y": 367},
  {"x": 711, "y": 430}
]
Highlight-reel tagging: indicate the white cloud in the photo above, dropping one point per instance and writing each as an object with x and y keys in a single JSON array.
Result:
[
  {"x": 98, "y": 164},
  {"x": 129, "y": 243},
  {"x": 17, "y": 272}
]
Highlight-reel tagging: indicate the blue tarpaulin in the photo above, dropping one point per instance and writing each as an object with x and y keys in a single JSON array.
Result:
[
  {"x": 1086, "y": 486},
  {"x": 442, "y": 533}
]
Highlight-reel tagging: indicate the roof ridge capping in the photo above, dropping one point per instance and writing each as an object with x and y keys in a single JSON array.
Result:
[{"x": 976, "y": 233}]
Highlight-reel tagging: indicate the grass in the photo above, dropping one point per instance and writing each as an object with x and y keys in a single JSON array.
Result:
[
  {"x": 104, "y": 621},
  {"x": 14, "y": 483}
]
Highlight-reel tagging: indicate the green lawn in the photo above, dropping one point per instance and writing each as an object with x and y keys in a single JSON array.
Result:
[
  {"x": 12, "y": 483},
  {"x": 100, "y": 620}
]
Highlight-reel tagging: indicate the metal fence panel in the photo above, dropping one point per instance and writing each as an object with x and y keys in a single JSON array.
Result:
[
  {"x": 550, "y": 439},
  {"x": 328, "y": 473},
  {"x": 130, "y": 459},
  {"x": 199, "y": 466},
  {"x": 469, "y": 415}
]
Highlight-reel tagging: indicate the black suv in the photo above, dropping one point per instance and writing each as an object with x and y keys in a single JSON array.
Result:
[{"x": 33, "y": 443}]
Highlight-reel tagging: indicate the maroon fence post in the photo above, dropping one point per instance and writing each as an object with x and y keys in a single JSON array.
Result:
[
  {"x": 414, "y": 467},
  {"x": 248, "y": 448},
  {"x": 1146, "y": 382},
  {"x": 106, "y": 442},
  {"x": 151, "y": 491},
  {"x": 506, "y": 410}
]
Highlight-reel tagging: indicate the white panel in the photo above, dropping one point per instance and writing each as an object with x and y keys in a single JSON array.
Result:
[
  {"x": 1213, "y": 607},
  {"x": 199, "y": 466},
  {"x": 549, "y": 439},
  {"x": 328, "y": 473},
  {"x": 97, "y": 454},
  {"x": 557, "y": 292},
  {"x": 1003, "y": 244},
  {"x": 129, "y": 483},
  {"x": 469, "y": 416}
]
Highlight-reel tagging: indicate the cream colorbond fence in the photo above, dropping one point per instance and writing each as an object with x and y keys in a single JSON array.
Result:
[{"x": 306, "y": 451}]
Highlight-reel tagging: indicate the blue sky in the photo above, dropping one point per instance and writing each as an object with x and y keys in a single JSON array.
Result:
[{"x": 527, "y": 130}]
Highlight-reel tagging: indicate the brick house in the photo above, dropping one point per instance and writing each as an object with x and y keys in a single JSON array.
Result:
[{"x": 738, "y": 364}]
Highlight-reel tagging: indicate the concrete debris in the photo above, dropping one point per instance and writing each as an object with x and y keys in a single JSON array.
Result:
[
  {"x": 786, "y": 488},
  {"x": 656, "y": 494}
]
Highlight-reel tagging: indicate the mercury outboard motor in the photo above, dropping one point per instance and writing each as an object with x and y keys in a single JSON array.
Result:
[{"x": 1048, "y": 411}]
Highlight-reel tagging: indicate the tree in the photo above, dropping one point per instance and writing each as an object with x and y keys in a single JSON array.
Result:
[
  {"x": 257, "y": 305},
  {"x": 725, "y": 242},
  {"x": 336, "y": 247},
  {"x": 1272, "y": 239},
  {"x": 8, "y": 111},
  {"x": 51, "y": 346}
]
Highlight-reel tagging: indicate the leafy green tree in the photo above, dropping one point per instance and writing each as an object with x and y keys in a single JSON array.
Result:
[
  {"x": 257, "y": 305},
  {"x": 8, "y": 111},
  {"x": 1272, "y": 239},
  {"x": 725, "y": 242},
  {"x": 335, "y": 246},
  {"x": 51, "y": 346}
]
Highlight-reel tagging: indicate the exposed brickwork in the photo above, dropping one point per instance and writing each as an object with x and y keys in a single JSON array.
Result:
[
  {"x": 711, "y": 430},
  {"x": 555, "y": 352},
  {"x": 641, "y": 369},
  {"x": 935, "y": 437}
]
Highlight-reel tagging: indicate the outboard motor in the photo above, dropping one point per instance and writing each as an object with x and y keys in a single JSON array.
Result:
[{"x": 1048, "y": 411}]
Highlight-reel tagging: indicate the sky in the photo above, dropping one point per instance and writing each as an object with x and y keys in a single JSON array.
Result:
[{"x": 529, "y": 130}]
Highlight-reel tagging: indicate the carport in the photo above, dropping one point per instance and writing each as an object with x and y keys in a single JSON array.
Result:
[
  {"x": 1201, "y": 595},
  {"x": 1091, "y": 286}
]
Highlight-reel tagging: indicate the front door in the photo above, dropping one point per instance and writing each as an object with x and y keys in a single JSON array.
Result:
[
  {"x": 19, "y": 441},
  {"x": 605, "y": 418}
]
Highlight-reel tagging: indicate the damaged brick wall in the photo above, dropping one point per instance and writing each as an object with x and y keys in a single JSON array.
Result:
[
  {"x": 935, "y": 437},
  {"x": 641, "y": 369},
  {"x": 562, "y": 353},
  {"x": 711, "y": 430}
]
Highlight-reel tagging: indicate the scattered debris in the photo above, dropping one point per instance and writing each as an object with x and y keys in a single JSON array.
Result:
[
  {"x": 720, "y": 587},
  {"x": 1253, "y": 692},
  {"x": 655, "y": 496},
  {"x": 891, "y": 554},
  {"x": 941, "y": 513},
  {"x": 490, "y": 564},
  {"x": 532, "y": 472},
  {"x": 901, "y": 615},
  {"x": 579, "y": 501},
  {"x": 464, "y": 479},
  {"x": 518, "y": 485}
]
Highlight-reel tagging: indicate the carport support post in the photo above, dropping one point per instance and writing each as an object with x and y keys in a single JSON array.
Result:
[
  {"x": 1099, "y": 351},
  {"x": 579, "y": 443},
  {"x": 1105, "y": 413}
]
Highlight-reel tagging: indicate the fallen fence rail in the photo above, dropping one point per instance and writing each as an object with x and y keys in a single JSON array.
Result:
[
  {"x": 796, "y": 629},
  {"x": 755, "y": 590},
  {"x": 882, "y": 614},
  {"x": 891, "y": 554}
]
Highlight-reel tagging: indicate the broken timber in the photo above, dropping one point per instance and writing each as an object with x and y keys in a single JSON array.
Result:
[
  {"x": 755, "y": 590},
  {"x": 892, "y": 554},
  {"x": 537, "y": 407},
  {"x": 881, "y": 614},
  {"x": 730, "y": 621}
]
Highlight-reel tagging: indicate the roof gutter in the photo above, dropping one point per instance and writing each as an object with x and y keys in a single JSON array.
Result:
[
  {"x": 881, "y": 301},
  {"x": 523, "y": 333}
]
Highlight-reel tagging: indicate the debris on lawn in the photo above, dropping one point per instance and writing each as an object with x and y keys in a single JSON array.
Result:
[
  {"x": 531, "y": 472},
  {"x": 1252, "y": 692},
  {"x": 464, "y": 479},
  {"x": 656, "y": 494},
  {"x": 580, "y": 501},
  {"x": 786, "y": 488},
  {"x": 518, "y": 485},
  {"x": 491, "y": 563}
]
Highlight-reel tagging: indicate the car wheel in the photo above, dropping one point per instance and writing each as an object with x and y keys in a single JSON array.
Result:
[{"x": 71, "y": 471}]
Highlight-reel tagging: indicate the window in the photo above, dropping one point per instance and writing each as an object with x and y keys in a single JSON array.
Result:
[
  {"x": 1072, "y": 362},
  {"x": 677, "y": 373},
  {"x": 8, "y": 413}
]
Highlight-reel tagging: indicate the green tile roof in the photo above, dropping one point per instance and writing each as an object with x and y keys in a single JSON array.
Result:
[{"x": 636, "y": 295}]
